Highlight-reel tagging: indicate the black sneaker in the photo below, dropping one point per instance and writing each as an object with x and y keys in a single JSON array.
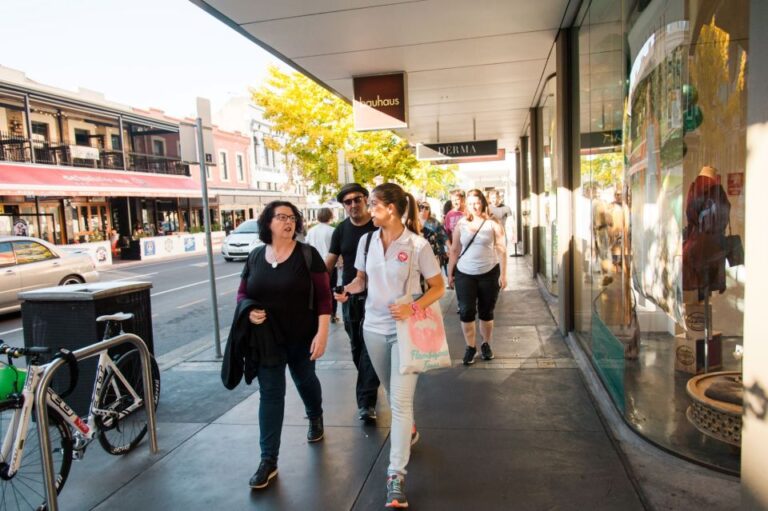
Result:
[
  {"x": 315, "y": 432},
  {"x": 396, "y": 492},
  {"x": 469, "y": 355},
  {"x": 486, "y": 352},
  {"x": 266, "y": 471},
  {"x": 367, "y": 414}
]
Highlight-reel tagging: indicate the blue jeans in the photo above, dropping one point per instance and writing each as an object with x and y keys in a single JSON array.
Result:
[{"x": 272, "y": 401}]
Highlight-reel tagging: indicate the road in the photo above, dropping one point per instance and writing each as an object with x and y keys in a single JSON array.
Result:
[{"x": 181, "y": 300}]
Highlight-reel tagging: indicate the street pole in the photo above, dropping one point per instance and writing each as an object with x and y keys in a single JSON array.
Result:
[{"x": 208, "y": 243}]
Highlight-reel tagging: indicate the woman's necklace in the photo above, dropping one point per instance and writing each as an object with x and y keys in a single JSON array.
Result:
[{"x": 275, "y": 257}]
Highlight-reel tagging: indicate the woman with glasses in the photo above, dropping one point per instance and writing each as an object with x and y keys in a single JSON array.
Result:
[
  {"x": 285, "y": 284},
  {"x": 435, "y": 234},
  {"x": 479, "y": 257},
  {"x": 390, "y": 262}
]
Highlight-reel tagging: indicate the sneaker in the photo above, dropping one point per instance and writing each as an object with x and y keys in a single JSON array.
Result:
[
  {"x": 266, "y": 471},
  {"x": 414, "y": 436},
  {"x": 367, "y": 414},
  {"x": 469, "y": 355},
  {"x": 486, "y": 352},
  {"x": 315, "y": 432},
  {"x": 396, "y": 492}
]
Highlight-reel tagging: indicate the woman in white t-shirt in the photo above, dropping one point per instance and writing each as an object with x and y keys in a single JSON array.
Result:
[
  {"x": 383, "y": 260},
  {"x": 479, "y": 257}
]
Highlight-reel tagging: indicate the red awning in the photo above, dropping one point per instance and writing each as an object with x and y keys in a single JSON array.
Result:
[{"x": 21, "y": 179}]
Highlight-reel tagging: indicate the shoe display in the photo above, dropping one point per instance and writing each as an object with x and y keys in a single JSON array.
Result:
[
  {"x": 396, "y": 492},
  {"x": 469, "y": 355},
  {"x": 414, "y": 435},
  {"x": 315, "y": 432},
  {"x": 486, "y": 352},
  {"x": 266, "y": 471},
  {"x": 367, "y": 414}
]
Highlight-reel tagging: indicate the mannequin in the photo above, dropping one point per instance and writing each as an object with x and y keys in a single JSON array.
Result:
[{"x": 707, "y": 212}]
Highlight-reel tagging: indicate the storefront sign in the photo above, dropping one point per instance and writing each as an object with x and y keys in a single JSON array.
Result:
[
  {"x": 454, "y": 150},
  {"x": 19, "y": 179},
  {"x": 380, "y": 102},
  {"x": 84, "y": 152}
]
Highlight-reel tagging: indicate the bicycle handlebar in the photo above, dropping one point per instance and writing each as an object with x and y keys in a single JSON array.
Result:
[{"x": 23, "y": 352}]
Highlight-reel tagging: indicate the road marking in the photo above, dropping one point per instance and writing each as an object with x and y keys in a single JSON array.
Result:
[
  {"x": 200, "y": 265},
  {"x": 11, "y": 331},
  {"x": 190, "y": 304},
  {"x": 137, "y": 276},
  {"x": 191, "y": 285}
]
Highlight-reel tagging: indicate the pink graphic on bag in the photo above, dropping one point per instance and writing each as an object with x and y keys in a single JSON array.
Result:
[{"x": 427, "y": 331}]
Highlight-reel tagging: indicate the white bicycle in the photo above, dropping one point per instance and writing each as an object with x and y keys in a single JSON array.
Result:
[{"x": 116, "y": 417}]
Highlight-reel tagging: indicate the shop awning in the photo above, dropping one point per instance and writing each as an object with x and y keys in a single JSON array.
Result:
[{"x": 21, "y": 179}]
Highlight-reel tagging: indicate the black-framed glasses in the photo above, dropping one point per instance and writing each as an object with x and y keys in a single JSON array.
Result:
[
  {"x": 423, "y": 207},
  {"x": 353, "y": 200},
  {"x": 286, "y": 218}
]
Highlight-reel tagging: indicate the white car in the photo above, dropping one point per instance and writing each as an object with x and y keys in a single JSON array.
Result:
[
  {"x": 241, "y": 241},
  {"x": 31, "y": 263}
]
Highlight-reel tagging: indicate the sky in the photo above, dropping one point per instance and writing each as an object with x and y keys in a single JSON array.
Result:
[{"x": 141, "y": 53}]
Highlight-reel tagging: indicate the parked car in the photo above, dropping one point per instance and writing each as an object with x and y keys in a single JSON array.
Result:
[
  {"x": 31, "y": 263},
  {"x": 239, "y": 243}
]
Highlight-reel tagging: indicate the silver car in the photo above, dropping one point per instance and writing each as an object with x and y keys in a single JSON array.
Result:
[
  {"x": 241, "y": 241},
  {"x": 31, "y": 263}
]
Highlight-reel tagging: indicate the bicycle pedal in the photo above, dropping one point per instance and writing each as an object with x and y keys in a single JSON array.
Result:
[{"x": 78, "y": 454}]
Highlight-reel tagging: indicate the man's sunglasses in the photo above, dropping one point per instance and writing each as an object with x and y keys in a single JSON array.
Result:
[{"x": 353, "y": 200}]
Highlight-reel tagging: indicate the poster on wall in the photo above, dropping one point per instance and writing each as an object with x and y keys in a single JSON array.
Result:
[{"x": 654, "y": 170}]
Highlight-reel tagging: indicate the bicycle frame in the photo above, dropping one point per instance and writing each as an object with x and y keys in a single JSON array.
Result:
[{"x": 15, "y": 437}]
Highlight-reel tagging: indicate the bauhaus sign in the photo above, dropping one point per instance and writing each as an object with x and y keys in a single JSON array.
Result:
[
  {"x": 380, "y": 102},
  {"x": 453, "y": 150}
]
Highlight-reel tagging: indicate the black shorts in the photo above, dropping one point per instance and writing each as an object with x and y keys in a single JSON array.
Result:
[{"x": 477, "y": 294}]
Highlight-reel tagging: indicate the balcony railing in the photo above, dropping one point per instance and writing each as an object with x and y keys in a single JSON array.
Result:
[{"x": 19, "y": 149}]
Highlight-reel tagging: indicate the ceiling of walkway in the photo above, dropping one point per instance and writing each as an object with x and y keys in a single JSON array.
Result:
[{"x": 474, "y": 66}]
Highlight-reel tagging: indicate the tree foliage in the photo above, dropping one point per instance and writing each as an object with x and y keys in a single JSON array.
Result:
[{"x": 311, "y": 125}]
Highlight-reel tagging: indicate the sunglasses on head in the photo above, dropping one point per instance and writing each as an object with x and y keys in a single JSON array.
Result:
[{"x": 353, "y": 200}]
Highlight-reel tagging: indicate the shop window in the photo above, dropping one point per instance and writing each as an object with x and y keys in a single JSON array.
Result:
[
  {"x": 240, "y": 167},
  {"x": 223, "y": 166}
]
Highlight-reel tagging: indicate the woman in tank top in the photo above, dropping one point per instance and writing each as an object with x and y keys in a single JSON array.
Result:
[{"x": 477, "y": 269}]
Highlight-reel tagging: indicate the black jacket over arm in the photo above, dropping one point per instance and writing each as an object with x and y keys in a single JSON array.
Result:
[{"x": 249, "y": 346}]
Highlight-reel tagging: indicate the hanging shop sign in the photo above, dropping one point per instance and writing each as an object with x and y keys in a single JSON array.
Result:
[
  {"x": 380, "y": 102},
  {"x": 455, "y": 150}
]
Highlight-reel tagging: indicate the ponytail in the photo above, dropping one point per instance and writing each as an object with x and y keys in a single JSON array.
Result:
[
  {"x": 412, "y": 215},
  {"x": 404, "y": 202}
]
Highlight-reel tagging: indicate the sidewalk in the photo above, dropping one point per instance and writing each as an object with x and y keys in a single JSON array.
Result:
[{"x": 519, "y": 432}]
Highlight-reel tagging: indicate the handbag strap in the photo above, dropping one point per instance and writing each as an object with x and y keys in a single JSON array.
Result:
[
  {"x": 365, "y": 256},
  {"x": 473, "y": 239}
]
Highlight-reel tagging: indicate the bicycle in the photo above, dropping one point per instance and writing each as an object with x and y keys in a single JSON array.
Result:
[{"x": 114, "y": 417}]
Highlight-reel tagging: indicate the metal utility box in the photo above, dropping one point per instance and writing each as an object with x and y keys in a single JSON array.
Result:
[{"x": 65, "y": 317}]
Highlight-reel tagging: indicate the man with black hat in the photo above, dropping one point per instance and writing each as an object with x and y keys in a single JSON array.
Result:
[{"x": 344, "y": 242}]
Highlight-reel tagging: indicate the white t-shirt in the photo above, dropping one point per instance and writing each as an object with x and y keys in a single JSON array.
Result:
[
  {"x": 320, "y": 237},
  {"x": 481, "y": 256},
  {"x": 387, "y": 275}
]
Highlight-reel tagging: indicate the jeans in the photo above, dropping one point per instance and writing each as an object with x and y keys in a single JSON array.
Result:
[
  {"x": 400, "y": 388},
  {"x": 477, "y": 294},
  {"x": 367, "y": 385},
  {"x": 272, "y": 401}
]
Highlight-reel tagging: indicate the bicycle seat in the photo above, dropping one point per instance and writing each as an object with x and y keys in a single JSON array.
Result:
[{"x": 118, "y": 316}]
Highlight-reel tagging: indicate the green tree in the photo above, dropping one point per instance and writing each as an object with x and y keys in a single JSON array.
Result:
[{"x": 312, "y": 125}]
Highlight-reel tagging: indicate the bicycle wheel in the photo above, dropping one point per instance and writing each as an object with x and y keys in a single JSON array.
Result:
[
  {"x": 121, "y": 436},
  {"x": 26, "y": 488}
]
